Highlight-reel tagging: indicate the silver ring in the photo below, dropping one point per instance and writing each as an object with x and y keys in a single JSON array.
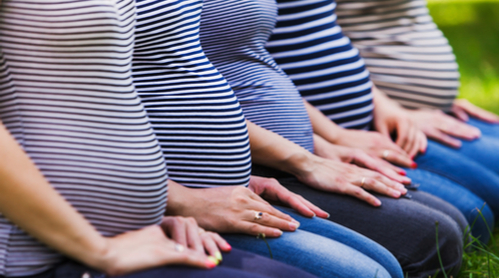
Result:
[
  {"x": 363, "y": 181},
  {"x": 385, "y": 154},
  {"x": 258, "y": 215},
  {"x": 179, "y": 247}
]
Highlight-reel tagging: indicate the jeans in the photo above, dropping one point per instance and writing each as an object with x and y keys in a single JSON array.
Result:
[
  {"x": 461, "y": 198},
  {"x": 462, "y": 170},
  {"x": 237, "y": 263},
  {"x": 325, "y": 249}
]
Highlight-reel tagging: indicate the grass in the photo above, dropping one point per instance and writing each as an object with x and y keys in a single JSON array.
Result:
[{"x": 471, "y": 27}]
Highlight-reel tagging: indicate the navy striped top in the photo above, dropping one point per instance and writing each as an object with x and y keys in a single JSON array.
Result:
[
  {"x": 233, "y": 35},
  {"x": 67, "y": 96},
  {"x": 408, "y": 56},
  {"x": 309, "y": 46},
  {"x": 194, "y": 112}
]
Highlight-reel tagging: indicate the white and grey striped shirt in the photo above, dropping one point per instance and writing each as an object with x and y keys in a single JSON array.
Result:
[
  {"x": 67, "y": 96},
  {"x": 407, "y": 55}
]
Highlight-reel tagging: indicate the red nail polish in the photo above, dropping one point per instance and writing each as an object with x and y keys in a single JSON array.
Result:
[
  {"x": 228, "y": 247},
  {"x": 413, "y": 165},
  {"x": 402, "y": 173},
  {"x": 210, "y": 264}
]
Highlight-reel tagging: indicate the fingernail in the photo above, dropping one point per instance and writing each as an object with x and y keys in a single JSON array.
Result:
[
  {"x": 328, "y": 215},
  {"x": 294, "y": 225},
  {"x": 402, "y": 173},
  {"x": 278, "y": 233},
  {"x": 213, "y": 260},
  {"x": 378, "y": 203},
  {"x": 209, "y": 263},
  {"x": 414, "y": 165},
  {"x": 229, "y": 247},
  {"x": 396, "y": 194},
  {"x": 218, "y": 256}
]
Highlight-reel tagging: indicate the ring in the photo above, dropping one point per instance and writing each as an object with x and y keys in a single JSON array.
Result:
[
  {"x": 363, "y": 181},
  {"x": 179, "y": 248},
  {"x": 385, "y": 154},
  {"x": 258, "y": 215}
]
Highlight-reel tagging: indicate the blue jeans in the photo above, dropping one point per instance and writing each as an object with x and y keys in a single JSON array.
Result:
[
  {"x": 461, "y": 198},
  {"x": 325, "y": 249},
  {"x": 460, "y": 169}
]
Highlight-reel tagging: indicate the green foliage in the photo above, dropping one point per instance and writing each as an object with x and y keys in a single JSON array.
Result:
[{"x": 471, "y": 27}]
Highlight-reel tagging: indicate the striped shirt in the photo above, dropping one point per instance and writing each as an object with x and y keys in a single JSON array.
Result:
[
  {"x": 194, "y": 112},
  {"x": 309, "y": 46},
  {"x": 233, "y": 35},
  {"x": 67, "y": 96},
  {"x": 407, "y": 55}
]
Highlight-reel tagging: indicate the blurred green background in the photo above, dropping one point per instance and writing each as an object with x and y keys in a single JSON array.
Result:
[{"x": 471, "y": 27}]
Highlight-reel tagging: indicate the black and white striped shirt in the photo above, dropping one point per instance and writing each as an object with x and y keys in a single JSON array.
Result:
[
  {"x": 233, "y": 35},
  {"x": 309, "y": 46},
  {"x": 407, "y": 55},
  {"x": 194, "y": 112},
  {"x": 67, "y": 96}
]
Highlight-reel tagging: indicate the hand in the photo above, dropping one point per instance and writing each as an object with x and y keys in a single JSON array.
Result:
[
  {"x": 186, "y": 232},
  {"x": 358, "y": 157},
  {"x": 272, "y": 190},
  {"x": 343, "y": 178},
  {"x": 441, "y": 127},
  {"x": 147, "y": 248},
  {"x": 230, "y": 209},
  {"x": 462, "y": 108},
  {"x": 376, "y": 145}
]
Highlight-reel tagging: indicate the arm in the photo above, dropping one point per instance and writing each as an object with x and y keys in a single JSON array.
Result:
[
  {"x": 392, "y": 119},
  {"x": 28, "y": 200},
  {"x": 274, "y": 151},
  {"x": 372, "y": 143}
]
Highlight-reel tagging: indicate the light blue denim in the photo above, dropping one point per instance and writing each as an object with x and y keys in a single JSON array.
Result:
[
  {"x": 464, "y": 200},
  {"x": 485, "y": 149},
  {"x": 460, "y": 169},
  {"x": 325, "y": 249}
]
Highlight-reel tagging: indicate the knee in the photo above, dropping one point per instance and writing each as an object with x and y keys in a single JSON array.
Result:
[{"x": 450, "y": 240}]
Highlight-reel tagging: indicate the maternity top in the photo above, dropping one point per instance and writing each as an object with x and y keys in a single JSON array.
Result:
[
  {"x": 67, "y": 96},
  {"x": 309, "y": 46},
  {"x": 194, "y": 112},
  {"x": 233, "y": 35}
]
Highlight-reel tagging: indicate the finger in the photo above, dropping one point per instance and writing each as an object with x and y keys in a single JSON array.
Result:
[
  {"x": 410, "y": 141},
  {"x": 297, "y": 204},
  {"x": 416, "y": 142},
  {"x": 399, "y": 159},
  {"x": 384, "y": 129},
  {"x": 221, "y": 243},
  {"x": 257, "y": 229},
  {"x": 423, "y": 142},
  {"x": 319, "y": 212},
  {"x": 378, "y": 165},
  {"x": 402, "y": 138},
  {"x": 176, "y": 229},
  {"x": 376, "y": 186},
  {"x": 358, "y": 192},
  {"x": 190, "y": 258},
  {"x": 444, "y": 138},
  {"x": 210, "y": 245},
  {"x": 269, "y": 220},
  {"x": 260, "y": 204},
  {"x": 460, "y": 113},
  {"x": 193, "y": 236},
  {"x": 387, "y": 182},
  {"x": 461, "y": 130}
]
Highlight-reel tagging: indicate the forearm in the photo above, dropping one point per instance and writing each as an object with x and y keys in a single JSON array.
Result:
[
  {"x": 272, "y": 150},
  {"x": 29, "y": 201},
  {"x": 323, "y": 126}
]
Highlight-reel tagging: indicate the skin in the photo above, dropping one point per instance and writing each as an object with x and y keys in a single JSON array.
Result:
[
  {"x": 270, "y": 149},
  {"x": 29, "y": 201}
]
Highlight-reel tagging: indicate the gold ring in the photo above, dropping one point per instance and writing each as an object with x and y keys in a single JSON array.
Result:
[
  {"x": 385, "y": 154},
  {"x": 258, "y": 215},
  {"x": 179, "y": 248},
  {"x": 363, "y": 181}
]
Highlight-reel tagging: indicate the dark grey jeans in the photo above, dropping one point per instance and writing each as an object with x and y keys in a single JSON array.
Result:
[{"x": 406, "y": 227}]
